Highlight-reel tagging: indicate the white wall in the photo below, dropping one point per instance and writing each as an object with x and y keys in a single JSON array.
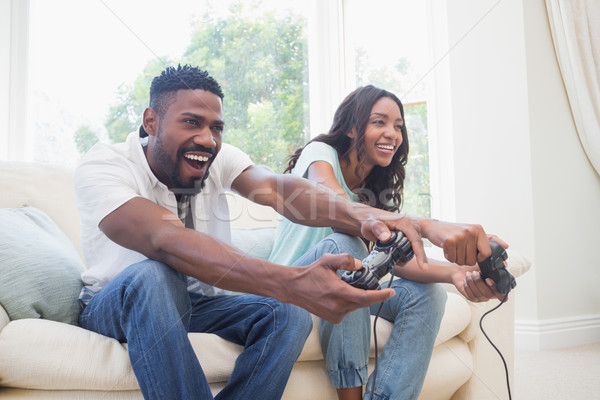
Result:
[
  {"x": 519, "y": 168},
  {"x": 566, "y": 192}
]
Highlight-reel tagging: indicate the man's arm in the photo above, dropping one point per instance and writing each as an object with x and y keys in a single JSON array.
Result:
[
  {"x": 309, "y": 203},
  {"x": 152, "y": 230}
]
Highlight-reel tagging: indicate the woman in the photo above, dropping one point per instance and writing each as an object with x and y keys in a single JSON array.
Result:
[{"x": 363, "y": 157}]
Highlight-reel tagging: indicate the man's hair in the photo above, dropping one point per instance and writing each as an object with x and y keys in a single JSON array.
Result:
[{"x": 171, "y": 79}]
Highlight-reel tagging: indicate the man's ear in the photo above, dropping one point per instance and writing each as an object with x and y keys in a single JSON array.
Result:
[{"x": 150, "y": 121}]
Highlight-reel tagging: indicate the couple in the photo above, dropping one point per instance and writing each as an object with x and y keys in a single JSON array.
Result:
[{"x": 160, "y": 266}]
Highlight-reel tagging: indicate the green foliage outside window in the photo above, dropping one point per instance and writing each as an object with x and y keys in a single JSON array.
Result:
[
  {"x": 401, "y": 80},
  {"x": 261, "y": 64},
  {"x": 417, "y": 194},
  {"x": 85, "y": 138},
  {"x": 262, "y": 67}
]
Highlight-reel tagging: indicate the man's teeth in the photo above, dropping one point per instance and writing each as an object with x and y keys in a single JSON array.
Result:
[
  {"x": 195, "y": 157},
  {"x": 385, "y": 147}
]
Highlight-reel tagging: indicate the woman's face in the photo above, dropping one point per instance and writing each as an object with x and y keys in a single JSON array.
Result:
[{"x": 383, "y": 133}]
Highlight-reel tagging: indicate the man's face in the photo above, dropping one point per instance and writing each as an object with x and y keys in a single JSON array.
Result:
[{"x": 186, "y": 140}]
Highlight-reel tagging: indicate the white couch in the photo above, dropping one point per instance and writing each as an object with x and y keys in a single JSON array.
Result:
[{"x": 45, "y": 359}]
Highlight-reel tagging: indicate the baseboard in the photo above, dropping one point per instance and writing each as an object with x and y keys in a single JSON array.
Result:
[{"x": 557, "y": 333}]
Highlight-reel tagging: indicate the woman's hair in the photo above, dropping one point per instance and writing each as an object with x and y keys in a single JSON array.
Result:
[{"x": 382, "y": 188}]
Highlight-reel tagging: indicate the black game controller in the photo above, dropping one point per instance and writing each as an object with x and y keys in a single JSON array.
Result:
[
  {"x": 493, "y": 267},
  {"x": 381, "y": 261}
]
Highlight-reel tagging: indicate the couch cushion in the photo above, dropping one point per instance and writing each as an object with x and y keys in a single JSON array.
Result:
[
  {"x": 246, "y": 214},
  {"x": 450, "y": 367},
  {"x": 255, "y": 242},
  {"x": 457, "y": 318},
  {"x": 41, "y": 354},
  {"x": 39, "y": 267},
  {"x": 312, "y": 346},
  {"x": 47, "y": 187}
]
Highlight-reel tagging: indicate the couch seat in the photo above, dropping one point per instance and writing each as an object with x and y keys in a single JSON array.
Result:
[{"x": 47, "y": 355}]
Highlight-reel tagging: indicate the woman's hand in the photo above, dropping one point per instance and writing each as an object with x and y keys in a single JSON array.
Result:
[{"x": 470, "y": 284}]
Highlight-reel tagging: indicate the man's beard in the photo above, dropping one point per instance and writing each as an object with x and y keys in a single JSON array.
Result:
[{"x": 171, "y": 168}]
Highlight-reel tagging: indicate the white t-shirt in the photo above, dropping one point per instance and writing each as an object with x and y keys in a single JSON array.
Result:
[{"x": 110, "y": 175}]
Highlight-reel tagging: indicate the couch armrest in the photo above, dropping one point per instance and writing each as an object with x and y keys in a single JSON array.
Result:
[
  {"x": 489, "y": 378},
  {"x": 517, "y": 264},
  {"x": 4, "y": 319}
]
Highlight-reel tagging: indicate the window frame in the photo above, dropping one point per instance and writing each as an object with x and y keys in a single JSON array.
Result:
[
  {"x": 330, "y": 71},
  {"x": 14, "y": 47}
]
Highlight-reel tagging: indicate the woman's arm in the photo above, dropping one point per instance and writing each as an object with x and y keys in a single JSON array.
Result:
[
  {"x": 322, "y": 172},
  {"x": 466, "y": 278}
]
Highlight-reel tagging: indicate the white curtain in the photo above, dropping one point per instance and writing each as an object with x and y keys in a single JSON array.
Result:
[{"x": 575, "y": 26}]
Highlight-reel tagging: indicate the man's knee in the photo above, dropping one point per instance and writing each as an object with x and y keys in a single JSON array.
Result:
[
  {"x": 297, "y": 319},
  {"x": 156, "y": 284},
  {"x": 287, "y": 319},
  {"x": 150, "y": 273}
]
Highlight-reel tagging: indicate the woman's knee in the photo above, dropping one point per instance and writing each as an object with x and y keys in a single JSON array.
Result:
[
  {"x": 437, "y": 298},
  {"x": 358, "y": 320},
  {"x": 433, "y": 301},
  {"x": 428, "y": 298},
  {"x": 352, "y": 335},
  {"x": 341, "y": 243}
]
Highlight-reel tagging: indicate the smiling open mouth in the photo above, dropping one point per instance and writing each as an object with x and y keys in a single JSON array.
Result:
[
  {"x": 385, "y": 147},
  {"x": 195, "y": 160}
]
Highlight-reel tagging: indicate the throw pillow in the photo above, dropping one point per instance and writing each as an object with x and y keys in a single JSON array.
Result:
[
  {"x": 39, "y": 267},
  {"x": 256, "y": 242}
]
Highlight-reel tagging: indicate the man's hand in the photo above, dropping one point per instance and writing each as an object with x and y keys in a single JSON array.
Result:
[
  {"x": 463, "y": 244},
  {"x": 469, "y": 283},
  {"x": 318, "y": 289},
  {"x": 379, "y": 229}
]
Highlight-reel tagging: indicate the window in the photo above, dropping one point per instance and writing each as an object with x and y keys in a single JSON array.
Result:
[
  {"x": 284, "y": 66},
  {"x": 90, "y": 70},
  {"x": 387, "y": 45}
]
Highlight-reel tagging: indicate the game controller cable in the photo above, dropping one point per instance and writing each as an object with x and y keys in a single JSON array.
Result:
[
  {"x": 494, "y": 346},
  {"x": 375, "y": 339},
  {"x": 397, "y": 249}
]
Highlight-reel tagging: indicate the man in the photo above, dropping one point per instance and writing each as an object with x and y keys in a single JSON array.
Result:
[{"x": 155, "y": 234}]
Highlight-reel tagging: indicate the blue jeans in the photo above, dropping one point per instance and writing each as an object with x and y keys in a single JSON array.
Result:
[
  {"x": 148, "y": 306},
  {"x": 416, "y": 312}
]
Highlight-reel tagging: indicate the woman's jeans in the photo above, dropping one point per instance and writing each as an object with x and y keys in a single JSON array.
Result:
[
  {"x": 416, "y": 312},
  {"x": 148, "y": 307}
]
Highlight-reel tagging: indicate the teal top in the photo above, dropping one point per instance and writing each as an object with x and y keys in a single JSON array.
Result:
[{"x": 293, "y": 240}]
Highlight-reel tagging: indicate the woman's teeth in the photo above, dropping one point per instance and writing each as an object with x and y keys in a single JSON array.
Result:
[{"x": 385, "y": 147}]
